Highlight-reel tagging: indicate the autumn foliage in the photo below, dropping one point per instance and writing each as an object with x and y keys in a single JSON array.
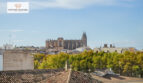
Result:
[{"x": 127, "y": 63}]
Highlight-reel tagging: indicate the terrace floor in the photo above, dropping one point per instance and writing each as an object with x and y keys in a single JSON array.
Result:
[{"x": 117, "y": 79}]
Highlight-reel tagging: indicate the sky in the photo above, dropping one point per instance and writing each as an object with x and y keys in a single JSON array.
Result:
[{"x": 118, "y": 22}]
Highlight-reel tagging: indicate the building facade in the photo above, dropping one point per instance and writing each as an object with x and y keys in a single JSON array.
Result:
[
  {"x": 112, "y": 48},
  {"x": 60, "y": 43},
  {"x": 18, "y": 60}
]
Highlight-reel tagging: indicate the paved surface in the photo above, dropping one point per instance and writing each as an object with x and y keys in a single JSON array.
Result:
[{"x": 117, "y": 79}]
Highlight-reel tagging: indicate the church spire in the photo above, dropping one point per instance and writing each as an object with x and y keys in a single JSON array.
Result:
[{"x": 84, "y": 39}]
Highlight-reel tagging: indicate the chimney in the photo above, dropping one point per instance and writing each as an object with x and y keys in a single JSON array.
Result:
[
  {"x": 105, "y": 46},
  {"x": 111, "y": 46}
]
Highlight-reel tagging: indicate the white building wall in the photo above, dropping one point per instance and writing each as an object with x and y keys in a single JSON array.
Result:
[
  {"x": 1, "y": 62},
  {"x": 17, "y": 60},
  {"x": 119, "y": 50}
]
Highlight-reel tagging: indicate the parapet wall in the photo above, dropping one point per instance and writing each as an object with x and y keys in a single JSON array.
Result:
[
  {"x": 27, "y": 76},
  {"x": 18, "y": 60}
]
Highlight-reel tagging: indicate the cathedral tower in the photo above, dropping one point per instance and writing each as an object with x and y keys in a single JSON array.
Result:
[{"x": 84, "y": 39}]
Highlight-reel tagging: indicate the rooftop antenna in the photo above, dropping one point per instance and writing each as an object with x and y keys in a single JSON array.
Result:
[
  {"x": 113, "y": 45},
  {"x": 10, "y": 39}
]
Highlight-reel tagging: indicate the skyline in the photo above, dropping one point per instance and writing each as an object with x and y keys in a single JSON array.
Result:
[{"x": 118, "y": 22}]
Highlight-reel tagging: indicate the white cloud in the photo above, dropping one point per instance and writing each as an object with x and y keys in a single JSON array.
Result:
[
  {"x": 12, "y": 30},
  {"x": 16, "y": 30},
  {"x": 69, "y": 4},
  {"x": 75, "y": 4},
  {"x": 125, "y": 42},
  {"x": 17, "y": 41},
  {"x": 2, "y": 7}
]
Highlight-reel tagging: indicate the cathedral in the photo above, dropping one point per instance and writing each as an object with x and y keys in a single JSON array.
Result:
[{"x": 60, "y": 43}]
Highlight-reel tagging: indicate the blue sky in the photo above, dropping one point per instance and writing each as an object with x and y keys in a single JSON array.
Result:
[{"x": 118, "y": 22}]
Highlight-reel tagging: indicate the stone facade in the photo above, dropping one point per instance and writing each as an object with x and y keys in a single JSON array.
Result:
[
  {"x": 60, "y": 43},
  {"x": 17, "y": 60}
]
